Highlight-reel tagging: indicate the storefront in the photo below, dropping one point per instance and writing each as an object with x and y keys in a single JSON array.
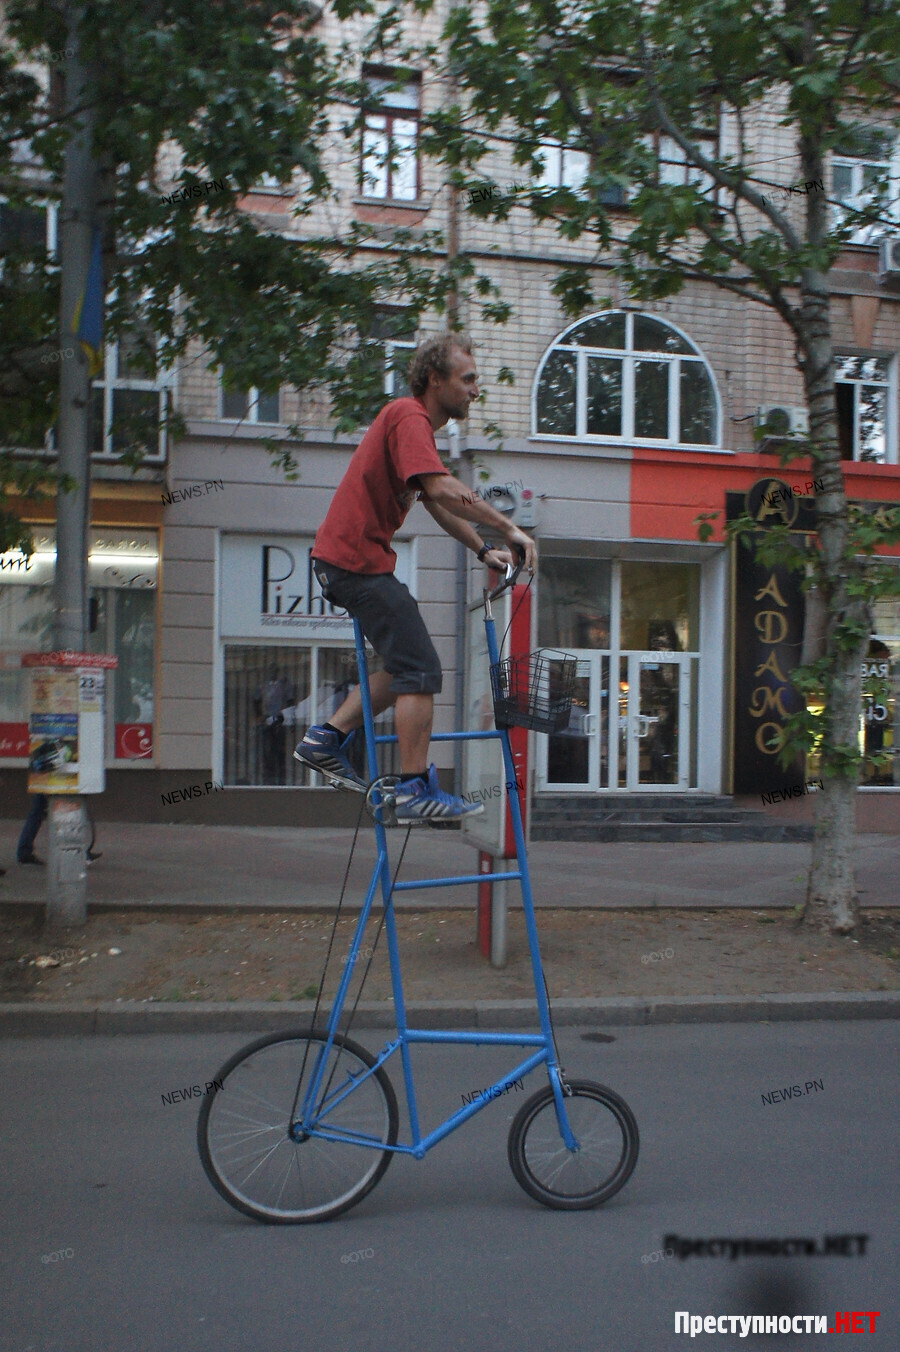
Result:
[
  {"x": 644, "y": 660},
  {"x": 123, "y": 583},
  {"x": 285, "y": 657}
]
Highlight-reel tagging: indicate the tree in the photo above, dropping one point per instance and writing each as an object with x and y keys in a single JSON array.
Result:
[
  {"x": 141, "y": 92},
  {"x": 203, "y": 100},
  {"x": 610, "y": 77}
]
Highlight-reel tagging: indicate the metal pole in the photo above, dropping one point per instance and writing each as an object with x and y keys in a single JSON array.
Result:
[
  {"x": 67, "y": 874},
  {"x": 498, "y": 923}
]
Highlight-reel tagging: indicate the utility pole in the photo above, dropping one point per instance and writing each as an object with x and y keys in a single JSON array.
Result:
[{"x": 67, "y": 872}]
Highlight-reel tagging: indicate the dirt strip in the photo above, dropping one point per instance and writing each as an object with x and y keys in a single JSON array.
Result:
[{"x": 142, "y": 956}]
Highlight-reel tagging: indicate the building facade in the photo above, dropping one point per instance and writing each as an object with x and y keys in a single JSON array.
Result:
[{"x": 620, "y": 428}]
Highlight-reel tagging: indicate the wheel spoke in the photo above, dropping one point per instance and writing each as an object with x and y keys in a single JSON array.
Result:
[
  {"x": 607, "y": 1138},
  {"x": 244, "y": 1131}
]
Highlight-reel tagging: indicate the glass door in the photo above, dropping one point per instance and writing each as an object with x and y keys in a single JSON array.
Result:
[
  {"x": 654, "y": 721},
  {"x": 576, "y": 759}
]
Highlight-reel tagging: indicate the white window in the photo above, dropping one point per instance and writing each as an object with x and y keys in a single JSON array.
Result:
[
  {"x": 563, "y": 167},
  {"x": 673, "y": 166},
  {"x": 250, "y": 405},
  {"x": 130, "y": 402},
  {"x": 626, "y": 377},
  {"x": 855, "y": 178},
  {"x": 390, "y": 154},
  {"x": 865, "y": 394}
]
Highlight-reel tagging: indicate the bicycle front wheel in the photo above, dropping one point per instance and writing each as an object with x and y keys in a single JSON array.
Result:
[
  {"x": 573, "y": 1180},
  {"x": 268, "y": 1171}
]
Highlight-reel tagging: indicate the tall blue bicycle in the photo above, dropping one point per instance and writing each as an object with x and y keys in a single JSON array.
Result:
[{"x": 307, "y": 1122}]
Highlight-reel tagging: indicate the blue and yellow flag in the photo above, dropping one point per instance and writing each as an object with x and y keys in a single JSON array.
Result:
[{"x": 87, "y": 324}]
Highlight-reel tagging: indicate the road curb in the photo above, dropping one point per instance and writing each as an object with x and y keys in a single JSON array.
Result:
[{"x": 31, "y": 1020}]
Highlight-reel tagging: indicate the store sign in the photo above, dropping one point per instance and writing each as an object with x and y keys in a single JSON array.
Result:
[
  {"x": 769, "y": 615},
  {"x": 121, "y": 559},
  {"x": 268, "y": 589}
]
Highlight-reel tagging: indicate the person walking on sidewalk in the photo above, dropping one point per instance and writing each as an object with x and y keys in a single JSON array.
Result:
[
  {"x": 25, "y": 848},
  {"x": 395, "y": 464}
]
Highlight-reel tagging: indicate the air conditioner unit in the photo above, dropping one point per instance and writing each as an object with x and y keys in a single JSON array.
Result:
[
  {"x": 889, "y": 260},
  {"x": 780, "y": 420}
]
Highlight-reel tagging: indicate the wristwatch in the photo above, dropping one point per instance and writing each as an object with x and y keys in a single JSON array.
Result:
[{"x": 484, "y": 550}]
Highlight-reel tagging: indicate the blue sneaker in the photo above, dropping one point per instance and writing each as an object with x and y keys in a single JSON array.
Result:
[
  {"x": 324, "y": 751},
  {"x": 421, "y": 800}
]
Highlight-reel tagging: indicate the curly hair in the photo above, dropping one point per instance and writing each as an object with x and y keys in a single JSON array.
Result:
[{"x": 434, "y": 355}]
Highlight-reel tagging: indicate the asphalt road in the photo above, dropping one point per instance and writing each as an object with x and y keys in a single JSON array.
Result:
[{"x": 97, "y": 1166}]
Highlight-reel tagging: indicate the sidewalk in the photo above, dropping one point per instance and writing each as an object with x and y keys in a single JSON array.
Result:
[{"x": 267, "y": 868}]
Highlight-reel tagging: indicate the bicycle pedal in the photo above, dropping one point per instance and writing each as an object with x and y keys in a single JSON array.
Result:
[{"x": 381, "y": 800}]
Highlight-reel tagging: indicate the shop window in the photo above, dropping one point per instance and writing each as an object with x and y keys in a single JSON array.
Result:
[
  {"x": 122, "y": 579},
  {"x": 660, "y": 607},
  {"x": 880, "y": 697},
  {"x": 250, "y": 405},
  {"x": 574, "y": 603},
  {"x": 272, "y": 695},
  {"x": 623, "y": 377},
  {"x": 864, "y": 393},
  {"x": 389, "y": 166},
  {"x": 131, "y": 401}
]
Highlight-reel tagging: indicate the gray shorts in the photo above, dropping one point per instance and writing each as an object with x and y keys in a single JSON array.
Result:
[{"x": 390, "y": 620}]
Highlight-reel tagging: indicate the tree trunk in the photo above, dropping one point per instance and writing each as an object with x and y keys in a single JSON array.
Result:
[{"x": 831, "y": 900}]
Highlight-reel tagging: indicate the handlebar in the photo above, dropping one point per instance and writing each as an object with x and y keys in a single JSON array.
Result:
[{"x": 512, "y": 574}]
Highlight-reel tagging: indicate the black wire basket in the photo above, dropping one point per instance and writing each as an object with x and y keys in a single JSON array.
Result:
[{"x": 534, "y": 691}]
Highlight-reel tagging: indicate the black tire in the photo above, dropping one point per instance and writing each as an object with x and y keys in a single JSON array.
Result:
[
  {"x": 275, "y": 1178},
  {"x": 567, "y": 1180}
]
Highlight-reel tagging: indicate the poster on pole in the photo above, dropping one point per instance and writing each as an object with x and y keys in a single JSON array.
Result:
[{"x": 66, "y": 723}]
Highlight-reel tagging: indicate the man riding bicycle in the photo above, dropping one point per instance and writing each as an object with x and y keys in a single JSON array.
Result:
[{"x": 395, "y": 464}]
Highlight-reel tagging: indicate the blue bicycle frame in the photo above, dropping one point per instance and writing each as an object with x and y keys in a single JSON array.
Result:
[{"x": 313, "y": 1122}]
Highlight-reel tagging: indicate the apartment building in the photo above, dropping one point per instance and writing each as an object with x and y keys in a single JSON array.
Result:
[{"x": 620, "y": 427}]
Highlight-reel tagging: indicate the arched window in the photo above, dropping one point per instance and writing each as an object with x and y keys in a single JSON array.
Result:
[{"x": 626, "y": 376}]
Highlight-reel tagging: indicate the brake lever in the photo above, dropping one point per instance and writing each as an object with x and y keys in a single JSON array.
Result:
[{"x": 512, "y": 574}]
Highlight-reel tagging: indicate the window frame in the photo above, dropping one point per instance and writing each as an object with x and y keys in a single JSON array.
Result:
[
  {"x": 890, "y": 384},
  {"x": 251, "y": 417},
  {"x": 163, "y": 385},
  {"x": 50, "y": 208},
  {"x": 890, "y": 163},
  {"x": 377, "y": 104},
  {"x": 628, "y": 355}
]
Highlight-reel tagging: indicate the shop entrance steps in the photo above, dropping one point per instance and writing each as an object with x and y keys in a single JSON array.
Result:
[{"x": 656, "y": 817}]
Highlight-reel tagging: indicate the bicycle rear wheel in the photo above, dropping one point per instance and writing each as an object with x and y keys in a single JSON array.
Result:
[
  {"x": 244, "y": 1138},
  {"x": 608, "y": 1143}
]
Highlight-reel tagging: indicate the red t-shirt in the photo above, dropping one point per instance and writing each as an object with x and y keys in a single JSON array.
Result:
[{"x": 374, "y": 496}]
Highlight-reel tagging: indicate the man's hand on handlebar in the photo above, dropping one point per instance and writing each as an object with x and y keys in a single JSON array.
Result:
[{"x": 511, "y": 555}]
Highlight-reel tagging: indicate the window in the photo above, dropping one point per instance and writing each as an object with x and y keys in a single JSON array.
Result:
[
  {"x": 250, "y": 405},
  {"x": 381, "y": 360},
  {"x": 855, "y": 174},
  {"x": 123, "y": 578},
  {"x": 563, "y": 167},
  {"x": 862, "y": 393},
  {"x": 26, "y": 231},
  {"x": 390, "y": 157},
  {"x": 130, "y": 403},
  {"x": 626, "y": 376},
  {"x": 272, "y": 694},
  {"x": 673, "y": 166}
]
